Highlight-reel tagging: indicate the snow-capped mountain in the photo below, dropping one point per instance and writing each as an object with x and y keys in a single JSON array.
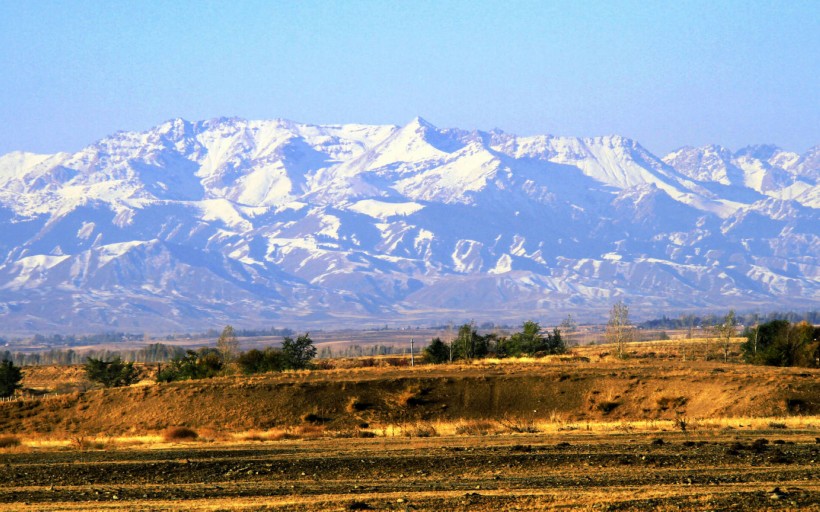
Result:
[{"x": 260, "y": 223}]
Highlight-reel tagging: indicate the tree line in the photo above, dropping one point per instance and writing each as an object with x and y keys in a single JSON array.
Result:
[
  {"x": 782, "y": 343},
  {"x": 469, "y": 344}
]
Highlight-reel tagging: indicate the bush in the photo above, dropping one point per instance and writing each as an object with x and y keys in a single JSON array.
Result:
[
  {"x": 179, "y": 434},
  {"x": 257, "y": 361},
  {"x": 111, "y": 374},
  {"x": 9, "y": 441}
]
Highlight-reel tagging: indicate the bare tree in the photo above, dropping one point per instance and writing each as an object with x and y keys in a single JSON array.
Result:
[
  {"x": 227, "y": 344},
  {"x": 619, "y": 330},
  {"x": 756, "y": 332},
  {"x": 568, "y": 328},
  {"x": 724, "y": 332}
]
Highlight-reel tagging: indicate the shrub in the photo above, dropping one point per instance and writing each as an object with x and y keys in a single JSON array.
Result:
[
  {"x": 179, "y": 434},
  {"x": 111, "y": 374},
  {"x": 258, "y": 361},
  {"x": 9, "y": 441}
]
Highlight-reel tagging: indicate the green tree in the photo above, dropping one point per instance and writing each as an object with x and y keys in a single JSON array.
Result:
[
  {"x": 10, "y": 377},
  {"x": 530, "y": 341},
  {"x": 781, "y": 343},
  {"x": 228, "y": 344},
  {"x": 437, "y": 352},
  {"x": 554, "y": 343},
  {"x": 469, "y": 344},
  {"x": 298, "y": 353},
  {"x": 111, "y": 374},
  {"x": 201, "y": 364}
]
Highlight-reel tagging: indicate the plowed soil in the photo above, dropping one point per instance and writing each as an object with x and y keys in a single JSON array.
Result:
[{"x": 761, "y": 470}]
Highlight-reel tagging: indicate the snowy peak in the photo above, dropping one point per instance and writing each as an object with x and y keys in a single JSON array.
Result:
[
  {"x": 251, "y": 222},
  {"x": 711, "y": 164}
]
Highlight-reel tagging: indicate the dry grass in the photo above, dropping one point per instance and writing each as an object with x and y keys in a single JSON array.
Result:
[
  {"x": 309, "y": 431},
  {"x": 551, "y": 427},
  {"x": 411, "y": 396},
  {"x": 262, "y": 435},
  {"x": 477, "y": 427}
]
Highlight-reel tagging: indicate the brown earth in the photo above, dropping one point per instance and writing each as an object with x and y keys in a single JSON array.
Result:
[
  {"x": 571, "y": 389},
  {"x": 678, "y": 471},
  {"x": 760, "y": 451}
]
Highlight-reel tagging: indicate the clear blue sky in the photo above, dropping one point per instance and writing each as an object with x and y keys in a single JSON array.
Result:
[{"x": 665, "y": 73}]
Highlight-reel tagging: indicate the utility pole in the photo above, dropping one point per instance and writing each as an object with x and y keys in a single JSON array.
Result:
[{"x": 412, "y": 357}]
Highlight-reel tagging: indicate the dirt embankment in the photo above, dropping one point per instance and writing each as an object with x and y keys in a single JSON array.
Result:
[{"x": 572, "y": 391}]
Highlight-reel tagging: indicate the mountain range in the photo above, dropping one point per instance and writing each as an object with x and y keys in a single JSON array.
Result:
[{"x": 192, "y": 225}]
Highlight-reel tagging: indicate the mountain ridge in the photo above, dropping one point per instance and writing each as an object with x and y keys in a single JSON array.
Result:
[{"x": 258, "y": 222}]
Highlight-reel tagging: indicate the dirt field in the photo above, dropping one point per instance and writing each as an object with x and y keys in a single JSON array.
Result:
[
  {"x": 588, "y": 432},
  {"x": 754, "y": 470}
]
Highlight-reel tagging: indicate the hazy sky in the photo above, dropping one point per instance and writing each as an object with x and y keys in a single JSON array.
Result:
[{"x": 665, "y": 73}]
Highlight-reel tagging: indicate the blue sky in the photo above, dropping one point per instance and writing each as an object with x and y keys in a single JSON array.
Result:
[{"x": 665, "y": 73}]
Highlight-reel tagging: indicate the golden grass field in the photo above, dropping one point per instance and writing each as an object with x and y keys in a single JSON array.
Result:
[{"x": 582, "y": 431}]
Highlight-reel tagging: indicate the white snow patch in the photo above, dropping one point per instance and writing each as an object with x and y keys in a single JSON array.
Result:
[
  {"x": 383, "y": 210},
  {"x": 503, "y": 265},
  {"x": 86, "y": 230},
  {"x": 107, "y": 253}
]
